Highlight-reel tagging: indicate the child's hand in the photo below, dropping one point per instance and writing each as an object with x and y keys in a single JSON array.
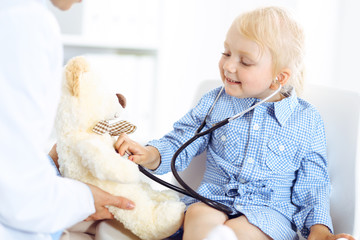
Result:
[
  {"x": 321, "y": 232},
  {"x": 148, "y": 157}
]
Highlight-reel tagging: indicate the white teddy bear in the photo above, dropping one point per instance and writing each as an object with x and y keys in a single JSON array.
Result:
[{"x": 86, "y": 153}]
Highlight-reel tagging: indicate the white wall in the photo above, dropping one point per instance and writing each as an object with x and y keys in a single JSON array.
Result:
[
  {"x": 347, "y": 50},
  {"x": 194, "y": 32},
  {"x": 190, "y": 39}
]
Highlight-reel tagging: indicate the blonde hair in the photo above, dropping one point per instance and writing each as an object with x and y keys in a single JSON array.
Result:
[{"x": 275, "y": 28}]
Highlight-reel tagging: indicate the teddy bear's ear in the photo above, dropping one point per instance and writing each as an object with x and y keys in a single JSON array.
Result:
[
  {"x": 73, "y": 70},
  {"x": 122, "y": 99}
]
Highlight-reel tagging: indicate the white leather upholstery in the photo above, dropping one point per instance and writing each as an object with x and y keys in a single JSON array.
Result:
[{"x": 340, "y": 110}]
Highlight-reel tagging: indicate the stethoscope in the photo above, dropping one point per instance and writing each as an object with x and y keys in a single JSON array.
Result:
[{"x": 186, "y": 190}]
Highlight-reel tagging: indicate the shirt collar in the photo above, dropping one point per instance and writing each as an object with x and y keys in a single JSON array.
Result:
[{"x": 284, "y": 108}]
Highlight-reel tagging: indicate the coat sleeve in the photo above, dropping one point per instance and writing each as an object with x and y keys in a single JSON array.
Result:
[{"x": 33, "y": 198}]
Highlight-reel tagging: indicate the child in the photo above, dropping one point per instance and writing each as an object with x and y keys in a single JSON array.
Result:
[{"x": 270, "y": 165}]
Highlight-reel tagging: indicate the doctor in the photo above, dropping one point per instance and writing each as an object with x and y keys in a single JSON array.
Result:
[{"x": 34, "y": 202}]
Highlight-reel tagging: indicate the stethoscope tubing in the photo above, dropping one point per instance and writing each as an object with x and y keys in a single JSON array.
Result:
[
  {"x": 186, "y": 190},
  {"x": 189, "y": 190}
]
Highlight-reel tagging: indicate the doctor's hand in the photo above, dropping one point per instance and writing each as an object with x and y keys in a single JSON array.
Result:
[
  {"x": 54, "y": 156},
  {"x": 148, "y": 156},
  {"x": 103, "y": 199}
]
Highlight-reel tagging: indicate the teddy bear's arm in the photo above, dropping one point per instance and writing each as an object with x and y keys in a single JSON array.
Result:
[{"x": 99, "y": 156}]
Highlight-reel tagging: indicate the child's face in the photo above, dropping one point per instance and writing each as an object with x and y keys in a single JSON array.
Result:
[{"x": 245, "y": 72}]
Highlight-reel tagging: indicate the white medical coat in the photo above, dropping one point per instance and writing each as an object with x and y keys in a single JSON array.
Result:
[{"x": 34, "y": 202}]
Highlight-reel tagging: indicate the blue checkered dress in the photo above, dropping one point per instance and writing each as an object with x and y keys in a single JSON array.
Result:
[{"x": 270, "y": 164}]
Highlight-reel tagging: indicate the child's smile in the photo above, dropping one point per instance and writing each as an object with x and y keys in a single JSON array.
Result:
[{"x": 230, "y": 81}]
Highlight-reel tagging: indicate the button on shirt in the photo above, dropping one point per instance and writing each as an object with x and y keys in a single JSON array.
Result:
[{"x": 273, "y": 157}]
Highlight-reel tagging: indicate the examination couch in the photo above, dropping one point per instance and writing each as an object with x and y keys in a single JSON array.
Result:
[{"x": 340, "y": 110}]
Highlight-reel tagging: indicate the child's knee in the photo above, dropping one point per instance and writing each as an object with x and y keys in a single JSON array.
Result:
[
  {"x": 196, "y": 208},
  {"x": 245, "y": 230},
  {"x": 202, "y": 210}
]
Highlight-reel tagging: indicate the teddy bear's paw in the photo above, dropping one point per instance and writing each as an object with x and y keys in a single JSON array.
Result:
[
  {"x": 166, "y": 195},
  {"x": 122, "y": 171},
  {"x": 152, "y": 221},
  {"x": 168, "y": 218},
  {"x": 159, "y": 196},
  {"x": 98, "y": 155},
  {"x": 169, "y": 195}
]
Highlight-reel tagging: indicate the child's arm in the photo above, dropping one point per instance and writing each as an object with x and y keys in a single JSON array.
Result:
[
  {"x": 319, "y": 232},
  {"x": 311, "y": 191},
  {"x": 158, "y": 154},
  {"x": 148, "y": 156}
]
